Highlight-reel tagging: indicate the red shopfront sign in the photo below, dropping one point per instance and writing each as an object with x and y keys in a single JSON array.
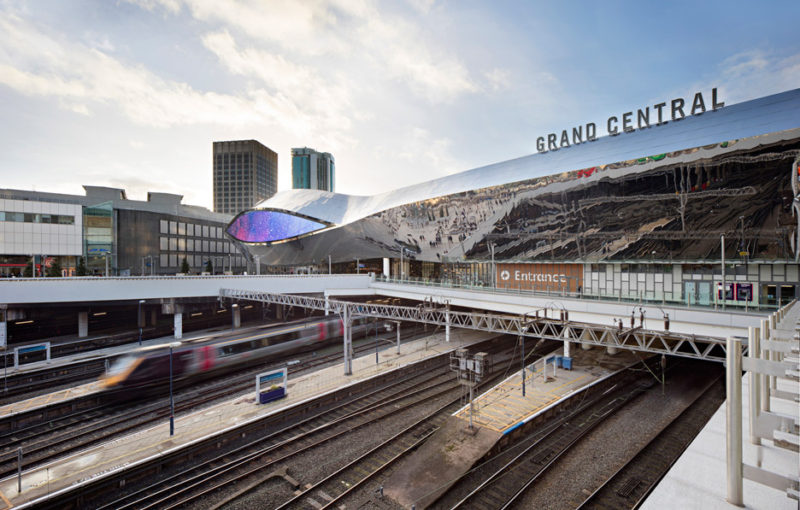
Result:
[{"x": 552, "y": 277}]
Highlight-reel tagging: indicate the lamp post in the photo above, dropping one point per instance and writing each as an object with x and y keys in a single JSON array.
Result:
[
  {"x": 172, "y": 345},
  {"x": 494, "y": 271},
  {"x": 139, "y": 319}
]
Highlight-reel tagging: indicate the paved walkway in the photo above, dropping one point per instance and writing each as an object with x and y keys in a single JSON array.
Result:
[{"x": 140, "y": 446}]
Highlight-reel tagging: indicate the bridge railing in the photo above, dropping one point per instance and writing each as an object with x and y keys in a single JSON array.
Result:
[{"x": 640, "y": 298}]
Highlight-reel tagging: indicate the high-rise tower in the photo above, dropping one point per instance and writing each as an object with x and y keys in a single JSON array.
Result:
[
  {"x": 245, "y": 173},
  {"x": 313, "y": 170}
]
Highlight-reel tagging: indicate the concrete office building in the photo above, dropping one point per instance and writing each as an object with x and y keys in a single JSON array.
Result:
[
  {"x": 313, "y": 170},
  {"x": 137, "y": 237},
  {"x": 245, "y": 173}
]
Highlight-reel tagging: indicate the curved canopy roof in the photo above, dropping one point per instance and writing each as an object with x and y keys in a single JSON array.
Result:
[{"x": 771, "y": 114}]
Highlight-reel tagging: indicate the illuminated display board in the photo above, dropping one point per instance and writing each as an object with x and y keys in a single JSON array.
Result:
[{"x": 265, "y": 226}]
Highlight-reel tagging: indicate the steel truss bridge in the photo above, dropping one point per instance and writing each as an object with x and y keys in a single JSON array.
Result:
[{"x": 553, "y": 324}]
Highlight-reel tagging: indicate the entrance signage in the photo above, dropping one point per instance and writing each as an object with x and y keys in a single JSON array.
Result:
[
  {"x": 628, "y": 122},
  {"x": 531, "y": 276}
]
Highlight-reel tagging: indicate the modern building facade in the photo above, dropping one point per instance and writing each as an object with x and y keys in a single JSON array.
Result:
[
  {"x": 135, "y": 237},
  {"x": 245, "y": 173},
  {"x": 703, "y": 209},
  {"x": 313, "y": 170}
]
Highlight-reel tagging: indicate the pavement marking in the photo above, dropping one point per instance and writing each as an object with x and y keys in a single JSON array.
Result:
[{"x": 8, "y": 503}]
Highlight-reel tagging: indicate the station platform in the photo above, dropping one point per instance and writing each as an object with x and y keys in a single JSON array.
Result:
[
  {"x": 698, "y": 479},
  {"x": 67, "y": 472},
  {"x": 454, "y": 449}
]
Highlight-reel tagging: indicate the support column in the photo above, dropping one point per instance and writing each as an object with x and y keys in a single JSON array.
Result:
[
  {"x": 348, "y": 361},
  {"x": 327, "y": 305},
  {"x": 773, "y": 355},
  {"x": 4, "y": 332},
  {"x": 178, "y": 322},
  {"x": 566, "y": 342},
  {"x": 754, "y": 351},
  {"x": 153, "y": 317},
  {"x": 763, "y": 385},
  {"x": 447, "y": 326},
  {"x": 398, "y": 336},
  {"x": 237, "y": 316},
  {"x": 733, "y": 408},
  {"x": 83, "y": 324}
]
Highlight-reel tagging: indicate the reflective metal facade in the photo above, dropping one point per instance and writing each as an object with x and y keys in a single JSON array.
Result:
[{"x": 663, "y": 192}]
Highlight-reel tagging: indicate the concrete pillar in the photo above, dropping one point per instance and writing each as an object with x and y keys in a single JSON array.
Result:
[
  {"x": 611, "y": 350},
  {"x": 83, "y": 324},
  {"x": 566, "y": 342},
  {"x": 327, "y": 305},
  {"x": 763, "y": 386},
  {"x": 348, "y": 361},
  {"x": 386, "y": 267},
  {"x": 178, "y": 325},
  {"x": 447, "y": 326},
  {"x": 733, "y": 408},
  {"x": 237, "y": 316},
  {"x": 398, "y": 336},
  {"x": 754, "y": 351},
  {"x": 4, "y": 331}
]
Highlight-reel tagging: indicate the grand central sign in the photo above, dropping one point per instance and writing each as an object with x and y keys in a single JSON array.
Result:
[{"x": 645, "y": 118}]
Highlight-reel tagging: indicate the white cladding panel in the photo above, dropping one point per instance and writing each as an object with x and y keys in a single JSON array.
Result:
[{"x": 31, "y": 238}]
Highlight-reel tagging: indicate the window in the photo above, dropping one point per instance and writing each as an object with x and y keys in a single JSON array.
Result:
[
  {"x": 181, "y": 244},
  {"x": 219, "y": 232},
  {"x": 205, "y": 230},
  {"x": 173, "y": 260},
  {"x": 163, "y": 243},
  {"x": 190, "y": 245},
  {"x": 189, "y": 229},
  {"x": 163, "y": 260},
  {"x": 205, "y": 245},
  {"x": 164, "y": 226},
  {"x": 173, "y": 227},
  {"x": 173, "y": 243},
  {"x": 181, "y": 229}
]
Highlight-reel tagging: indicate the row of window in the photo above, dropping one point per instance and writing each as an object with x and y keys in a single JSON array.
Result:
[
  {"x": 181, "y": 244},
  {"x": 57, "y": 219},
  {"x": 190, "y": 229},
  {"x": 198, "y": 262}
]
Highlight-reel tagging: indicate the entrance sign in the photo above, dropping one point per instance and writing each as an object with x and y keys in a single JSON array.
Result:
[
  {"x": 675, "y": 110},
  {"x": 271, "y": 385},
  {"x": 529, "y": 276}
]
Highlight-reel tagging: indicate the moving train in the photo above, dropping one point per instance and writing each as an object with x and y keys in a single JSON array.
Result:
[{"x": 148, "y": 366}]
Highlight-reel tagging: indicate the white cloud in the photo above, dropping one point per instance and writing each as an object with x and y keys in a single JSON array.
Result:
[
  {"x": 34, "y": 64},
  {"x": 757, "y": 73},
  {"x": 388, "y": 45}
]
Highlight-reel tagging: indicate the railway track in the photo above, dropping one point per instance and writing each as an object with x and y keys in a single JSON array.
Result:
[
  {"x": 520, "y": 467},
  {"x": 631, "y": 484},
  {"x": 60, "y": 435},
  {"x": 225, "y": 478},
  {"x": 22, "y": 385}
]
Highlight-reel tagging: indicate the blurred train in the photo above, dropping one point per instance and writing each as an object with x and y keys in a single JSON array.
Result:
[{"x": 148, "y": 366}]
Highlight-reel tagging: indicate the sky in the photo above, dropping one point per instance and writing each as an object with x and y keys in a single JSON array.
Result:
[{"x": 132, "y": 93}]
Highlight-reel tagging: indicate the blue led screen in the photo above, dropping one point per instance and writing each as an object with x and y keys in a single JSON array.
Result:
[{"x": 269, "y": 226}]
